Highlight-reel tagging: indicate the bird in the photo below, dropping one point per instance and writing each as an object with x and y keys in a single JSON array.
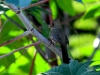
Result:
[{"x": 57, "y": 35}]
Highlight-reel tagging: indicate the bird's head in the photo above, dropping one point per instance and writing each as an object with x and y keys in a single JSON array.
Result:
[{"x": 55, "y": 24}]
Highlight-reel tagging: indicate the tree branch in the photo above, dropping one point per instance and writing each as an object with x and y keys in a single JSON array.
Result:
[
  {"x": 40, "y": 51},
  {"x": 33, "y": 31}
]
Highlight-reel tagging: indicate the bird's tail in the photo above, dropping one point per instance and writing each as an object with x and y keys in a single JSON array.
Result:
[{"x": 65, "y": 57}]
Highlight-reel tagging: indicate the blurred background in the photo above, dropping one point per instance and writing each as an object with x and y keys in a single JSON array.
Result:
[{"x": 80, "y": 20}]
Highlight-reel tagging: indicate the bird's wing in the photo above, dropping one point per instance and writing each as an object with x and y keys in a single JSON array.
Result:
[{"x": 55, "y": 37}]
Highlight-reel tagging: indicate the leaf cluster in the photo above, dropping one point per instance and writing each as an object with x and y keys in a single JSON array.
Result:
[{"x": 74, "y": 68}]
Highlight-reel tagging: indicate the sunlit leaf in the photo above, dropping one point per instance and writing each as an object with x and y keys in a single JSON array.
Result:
[
  {"x": 91, "y": 0},
  {"x": 66, "y": 5},
  {"x": 93, "y": 11},
  {"x": 53, "y": 8}
]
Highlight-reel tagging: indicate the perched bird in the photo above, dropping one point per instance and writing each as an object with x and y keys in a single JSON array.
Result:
[{"x": 57, "y": 35}]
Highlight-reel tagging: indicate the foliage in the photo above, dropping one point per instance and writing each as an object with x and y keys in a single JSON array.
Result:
[
  {"x": 74, "y": 68},
  {"x": 66, "y": 4},
  {"x": 93, "y": 11},
  {"x": 82, "y": 32}
]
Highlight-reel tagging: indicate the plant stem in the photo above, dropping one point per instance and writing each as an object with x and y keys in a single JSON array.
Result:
[{"x": 5, "y": 55}]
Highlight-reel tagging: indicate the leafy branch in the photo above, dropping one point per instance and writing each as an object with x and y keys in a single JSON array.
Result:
[
  {"x": 31, "y": 30},
  {"x": 74, "y": 68}
]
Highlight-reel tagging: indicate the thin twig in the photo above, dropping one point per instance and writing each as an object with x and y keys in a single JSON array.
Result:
[
  {"x": 37, "y": 48},
  {"x": 38, "y": 3},
  {"x": 32, "y": 65},
  {"x": 73, "y": 18},
  {"x": 40, "y": 51},
  {"x": 16, "y": 38},
  {"x": 92, "y": 54},
  {"x": 5, "y": 55}
]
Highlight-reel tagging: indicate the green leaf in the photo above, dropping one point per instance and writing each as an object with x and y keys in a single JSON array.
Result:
[
  {"x": 7, "y": 60},
  {"x": 62, "y": 69},
  {"x": 45, "y": 30},
  {"x": 41, "y": 9},
  {"x": 53, "y": 7},
  {"x": 73, "y": 68},
  {"x": 36, "y": 15},
  {"x": 91, "y": 73},
  {"x": 93, "y": 11},
  {"x": 83, "y": 67},
  {"x": 36, "y": 9},
  {"x": 66, "y": 5},
  {"x": 91, "y": 0},
  {"x": 52, "y": 73}
]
